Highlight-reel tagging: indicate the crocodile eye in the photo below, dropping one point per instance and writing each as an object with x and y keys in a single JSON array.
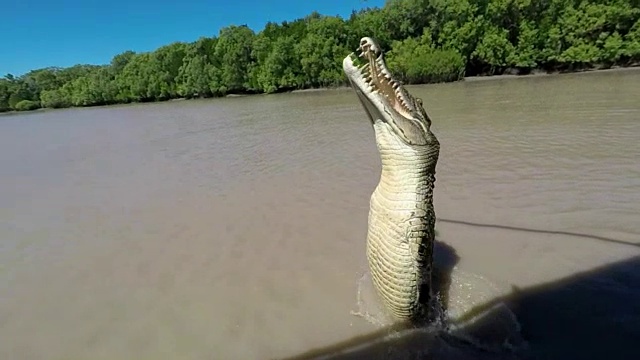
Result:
[{"x": 419, "y": 101}]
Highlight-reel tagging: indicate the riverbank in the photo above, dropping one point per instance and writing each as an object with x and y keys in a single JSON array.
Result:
[{"x": 535, "y": 73}]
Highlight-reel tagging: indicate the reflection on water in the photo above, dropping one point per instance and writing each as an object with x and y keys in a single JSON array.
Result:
[{"x": 234, "y": 228}]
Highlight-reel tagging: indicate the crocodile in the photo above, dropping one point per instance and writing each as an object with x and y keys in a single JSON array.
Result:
[{"x": 401, "y": 233}]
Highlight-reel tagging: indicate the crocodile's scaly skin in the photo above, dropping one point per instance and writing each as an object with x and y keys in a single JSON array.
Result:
[{"x": 401, "y": 225}]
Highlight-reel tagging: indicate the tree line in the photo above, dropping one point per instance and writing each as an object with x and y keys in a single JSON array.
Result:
[{"x": 428, "y": 41}]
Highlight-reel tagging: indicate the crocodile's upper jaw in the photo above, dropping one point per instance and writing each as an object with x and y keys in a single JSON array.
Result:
[{"x": 384, "y": 98}]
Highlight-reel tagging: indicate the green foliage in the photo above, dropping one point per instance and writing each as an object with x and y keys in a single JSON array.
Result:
[
  {"x": 5, "y": 93},
  {"x": 321, "y": 51},
  {"x": 26, "y": 105},
  {"x": 494, "y": 49},
  {"x": 369, "y": 21},
  {"x": 57, "y": 98},
  {"x": 406, "y": 18},
  {"x": 429, "y": 41},
  {"x": 233, "y": 51},
  {"x": 632, "y": 42},
  {"x": 525, "y": 54},
  {"x": 121, "y": 60},
  {"x": 17, "y": 96},
  {"x": 277, "y": 70},
  {"x": 195, "y": 75},
  {"x": 417, "y": 61}
]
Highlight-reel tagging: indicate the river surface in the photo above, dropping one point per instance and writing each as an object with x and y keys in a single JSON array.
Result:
[{"x": 235, "y": 228}]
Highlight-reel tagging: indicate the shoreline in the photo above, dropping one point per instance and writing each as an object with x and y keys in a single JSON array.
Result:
[
  {"x": 475, "y": 78},
  {"x": 542, "y": 73}
]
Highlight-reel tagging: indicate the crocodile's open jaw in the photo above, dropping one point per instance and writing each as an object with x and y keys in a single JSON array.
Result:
[{"x": 383, "y": 97}]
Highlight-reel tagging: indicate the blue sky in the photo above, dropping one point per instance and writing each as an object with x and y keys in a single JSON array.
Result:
[{"x": 41, "y": 33}]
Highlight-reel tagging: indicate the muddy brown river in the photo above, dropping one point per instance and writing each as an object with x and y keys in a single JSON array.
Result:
[{"x": 235, "y": 228}]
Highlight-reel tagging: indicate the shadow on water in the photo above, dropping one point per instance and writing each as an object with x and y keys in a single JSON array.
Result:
[
  {"x": 445, "y": 259},
  {"x": 590, "y": 315}
]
